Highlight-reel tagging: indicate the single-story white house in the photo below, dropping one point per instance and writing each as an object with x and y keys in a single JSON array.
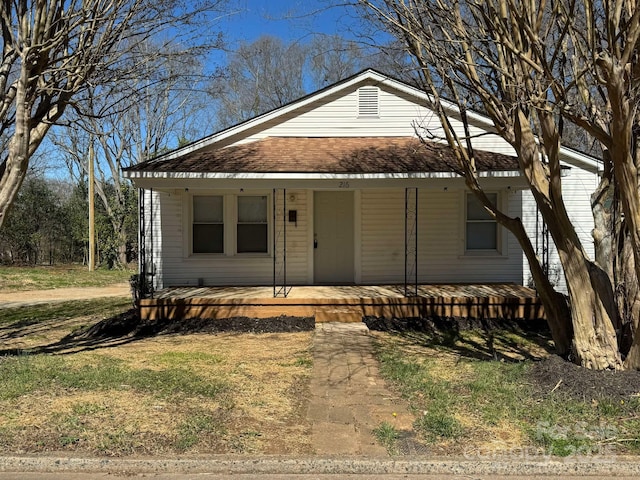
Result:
[{"x": 336, "y": 188}]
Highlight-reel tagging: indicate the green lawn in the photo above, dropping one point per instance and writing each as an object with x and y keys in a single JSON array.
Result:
[{"x": 14, "y": 278}]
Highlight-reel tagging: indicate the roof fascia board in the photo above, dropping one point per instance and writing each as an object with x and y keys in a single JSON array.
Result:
[
  {"x": 135, "y": 175},
  {"x": 441, "y": 184}
]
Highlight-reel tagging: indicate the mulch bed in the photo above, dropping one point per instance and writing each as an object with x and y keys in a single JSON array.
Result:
[
  {"x": 130, "y": 324},
  {"x": 566, "y": 378}
]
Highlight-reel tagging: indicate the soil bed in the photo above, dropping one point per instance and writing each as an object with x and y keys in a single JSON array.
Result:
[
  {"x": 129, "y": 323},
  {"x": 566, "y": 378}
]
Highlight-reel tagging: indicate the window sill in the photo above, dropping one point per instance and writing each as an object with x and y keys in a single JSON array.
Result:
[
  {"x": 483, "y": 255},
  {"x": 200, "y": 256}
]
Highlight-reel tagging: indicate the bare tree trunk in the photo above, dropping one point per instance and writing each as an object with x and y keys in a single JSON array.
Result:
[
  {"x": 595, "y": 343},
  {"x": 593, "y": 311},
  {"x": 628, "y": 300},
  {"x": 122, "y": 247},
  {"x": 614, "y": 254},
  {"x": 18, "y": 151},
  {"x": 555, "y": 304},
  {"x": 593, "y": 308}
]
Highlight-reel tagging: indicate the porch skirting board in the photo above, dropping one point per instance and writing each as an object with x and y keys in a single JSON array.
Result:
[{"x": 524, "y": 305}]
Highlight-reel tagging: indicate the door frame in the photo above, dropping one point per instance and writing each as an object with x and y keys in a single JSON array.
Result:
[{"x": 357, "y": 234}]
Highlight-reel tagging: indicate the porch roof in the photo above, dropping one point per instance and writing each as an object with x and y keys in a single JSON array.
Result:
[{"x": 337, "y": 155}]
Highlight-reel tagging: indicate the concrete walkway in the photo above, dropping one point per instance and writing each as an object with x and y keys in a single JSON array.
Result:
[{"x": 348, "y": 397}]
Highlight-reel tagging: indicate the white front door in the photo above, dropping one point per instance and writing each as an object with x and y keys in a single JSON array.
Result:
[{"x": 333, "y": 258}]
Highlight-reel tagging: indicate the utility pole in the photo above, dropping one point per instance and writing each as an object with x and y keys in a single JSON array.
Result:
[{"x": 92, "y": 217}]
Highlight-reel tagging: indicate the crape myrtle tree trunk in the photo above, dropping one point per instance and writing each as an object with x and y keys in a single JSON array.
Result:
[
  {"x": 52, "y": 50},
  {"x": 531, "y": 66}
]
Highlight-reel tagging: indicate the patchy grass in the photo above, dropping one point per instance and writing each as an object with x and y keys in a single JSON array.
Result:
[
  {"x": 46, "y": 314},
  {"x": 29, "y": 327},
  {"x": 168, "y": 394},
  {"x": 472, "y": 394},
  {"x": 13, "y": 278},
  {"x": 387, "y": 435}
]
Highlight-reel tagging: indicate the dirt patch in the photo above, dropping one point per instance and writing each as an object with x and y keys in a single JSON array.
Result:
[{"x": 566, "y": 378}]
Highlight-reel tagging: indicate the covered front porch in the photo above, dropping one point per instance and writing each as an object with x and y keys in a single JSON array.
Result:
[{"x": 347, "y": 303}]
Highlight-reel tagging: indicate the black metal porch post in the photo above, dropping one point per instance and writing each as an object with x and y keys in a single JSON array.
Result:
[
  {"x": 411, "y": 241},
  {"x": 280, "y": 271}
]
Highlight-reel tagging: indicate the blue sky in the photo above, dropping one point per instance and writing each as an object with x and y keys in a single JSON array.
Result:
[{"x": 288, "y": 19}]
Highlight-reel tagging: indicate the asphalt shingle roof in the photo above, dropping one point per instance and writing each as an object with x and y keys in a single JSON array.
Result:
[{"x": 327, "y": 155}]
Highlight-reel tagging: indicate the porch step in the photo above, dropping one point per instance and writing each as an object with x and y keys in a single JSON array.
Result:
[{"x": 338, "y": 314}]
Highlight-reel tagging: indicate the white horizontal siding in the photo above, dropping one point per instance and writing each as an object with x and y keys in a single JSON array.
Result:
[
  {"x": 381, "y": 254},
  {"x": 440, "y": 240},
  {"x": 382, "y": 233},
  {"x": 577, "y": 187},
  {"x": 178, "y": 268},
  {"x": 337, "y": 116}
]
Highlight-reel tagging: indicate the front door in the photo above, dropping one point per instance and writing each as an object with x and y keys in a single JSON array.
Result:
[{"x": 333, "y": 238}]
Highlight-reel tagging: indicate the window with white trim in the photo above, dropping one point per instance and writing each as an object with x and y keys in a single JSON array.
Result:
[
  {"x": 252, "y": 226},
  {"x": 481, "y": 230},
  {"x": 208, "y": 224}
]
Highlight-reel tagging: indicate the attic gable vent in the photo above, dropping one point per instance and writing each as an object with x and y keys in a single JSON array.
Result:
[{"x": 368, "y": 102}]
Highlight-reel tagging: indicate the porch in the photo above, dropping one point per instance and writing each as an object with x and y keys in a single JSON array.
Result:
[{"x": 346, "y": 303}]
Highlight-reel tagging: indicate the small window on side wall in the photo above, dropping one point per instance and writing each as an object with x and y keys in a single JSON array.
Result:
[
  {"x": 252, "y": 227},
  {"x": 208, "y": 224},
  {"x": 481, "y": 229}
]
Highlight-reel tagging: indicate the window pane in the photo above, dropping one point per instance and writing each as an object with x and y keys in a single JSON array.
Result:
[
  {"x": 208, "y": 238},
  {"x": 252, "y": 209},
  {"x": 475, "y": 211},
  {"x": 252, "y": 238},
  {"x": 207, "y": 209},
  {"x": 482, "y": 236}
]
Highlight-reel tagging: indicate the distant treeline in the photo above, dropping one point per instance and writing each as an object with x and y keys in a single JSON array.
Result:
[{"x": 49, "y": 224}]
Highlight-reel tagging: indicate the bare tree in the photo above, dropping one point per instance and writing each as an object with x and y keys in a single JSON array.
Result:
[
  {"x": 54, "y": 50},
  {"x": 270, "y": 73},
  {"x": 334, "y": 58},
  {"x": 158, "y": 109},
  {"x": 259, "y": 77},
  {"x": 531, "y": 66}
]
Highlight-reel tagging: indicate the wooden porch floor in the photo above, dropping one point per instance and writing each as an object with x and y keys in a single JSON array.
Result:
[{"x": 346, "y": 303}]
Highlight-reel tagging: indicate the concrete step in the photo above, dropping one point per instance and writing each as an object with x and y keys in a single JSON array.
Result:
[{"x": 338, "y": 314}]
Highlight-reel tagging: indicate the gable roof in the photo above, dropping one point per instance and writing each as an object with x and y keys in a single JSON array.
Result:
[
  {"x": 211, "y": 154},
  {"x": 327, "y": 155}
]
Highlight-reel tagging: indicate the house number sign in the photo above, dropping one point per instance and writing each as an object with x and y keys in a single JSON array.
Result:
[{"x": 343, "y": 184}]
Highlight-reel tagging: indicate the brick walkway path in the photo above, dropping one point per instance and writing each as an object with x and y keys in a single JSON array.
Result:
[{"x": 348, "y": 397}]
